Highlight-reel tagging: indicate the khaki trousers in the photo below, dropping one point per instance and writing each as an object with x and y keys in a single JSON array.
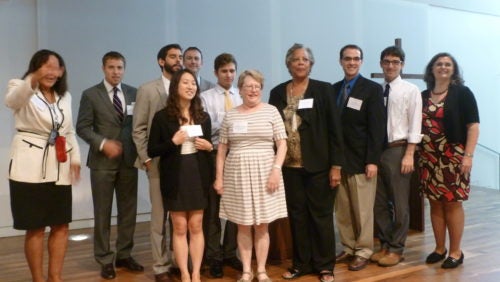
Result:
[{"x": 354, "y": 213}]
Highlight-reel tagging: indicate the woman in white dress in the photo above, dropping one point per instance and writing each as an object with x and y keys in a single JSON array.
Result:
[{"x": 248, "y": 174}]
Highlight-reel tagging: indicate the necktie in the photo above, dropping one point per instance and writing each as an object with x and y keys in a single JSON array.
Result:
[
  {"x": 228, "y": 104},
  {"x": 386, "y": 95},
  {"x": 117, "y": 103},
  {"x": 345, "y": 94},
  {"x": 386, "y": 102}
]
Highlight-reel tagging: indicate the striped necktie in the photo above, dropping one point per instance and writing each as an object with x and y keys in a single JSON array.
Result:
[{"x": 117, "y": 103}]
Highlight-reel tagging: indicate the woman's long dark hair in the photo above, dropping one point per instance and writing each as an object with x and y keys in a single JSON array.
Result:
[
  {"x": 39, "y": 59},
  {"x": 173, "y": 101},
  {"x": 430, "y": 80}
]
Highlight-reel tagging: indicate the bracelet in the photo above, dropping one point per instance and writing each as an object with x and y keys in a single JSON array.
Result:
[
  {"x": 468, "y": 155},
  {"x": 276, "y": 166}
]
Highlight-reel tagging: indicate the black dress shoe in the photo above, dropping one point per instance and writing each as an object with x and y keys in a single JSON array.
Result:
[
  {"x": 435, "y": 257},
  {"x": 130, "y": 264},
  {"x": 108, "y": 271},
  {"x": 234, "y": 263},
  {"x": 174, "y": 270},
  {"x": 453, "y": 262},
  {"x": 216, "y": 270}
]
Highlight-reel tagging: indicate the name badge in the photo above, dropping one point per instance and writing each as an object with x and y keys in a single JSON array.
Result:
[
  {"x": 194, "y": 130},
  {"x": 240, "y": 126},
  {"x": 130, "y": 109},
  {"x": 306, "y": 103},
  {"x": 354, "y": 103}
]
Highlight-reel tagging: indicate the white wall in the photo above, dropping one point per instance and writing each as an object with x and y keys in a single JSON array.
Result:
[{"x": 258, "y": 33}]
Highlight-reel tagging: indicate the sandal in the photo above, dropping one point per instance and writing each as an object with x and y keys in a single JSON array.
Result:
[
  {"x": 250, "y": 274},
  {"x": 326, "y": 276},
  {"x": 267, "y": 279},
  {"x": 293, "y": 273}
]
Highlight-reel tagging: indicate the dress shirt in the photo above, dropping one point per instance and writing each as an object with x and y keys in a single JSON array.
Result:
[
  {"x": 213, "y": 103},
  {"x": 166, "y": 83},
  {"x": 404, "y": 111}
]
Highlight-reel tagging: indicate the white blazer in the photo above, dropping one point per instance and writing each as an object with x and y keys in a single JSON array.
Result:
[{"x": 32, "y": 159}]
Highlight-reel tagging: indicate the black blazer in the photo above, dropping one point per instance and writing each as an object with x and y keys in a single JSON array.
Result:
[
  {"x": 160, "y": 144},
  {"x": 320, "y": 132},
  {"x": 460, "y": 109},
  {"x": 364, "y": 129}
]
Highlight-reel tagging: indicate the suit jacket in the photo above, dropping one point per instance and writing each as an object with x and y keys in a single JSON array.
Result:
[
  {"x": 160, "y": 145},
  {"x": 205, "y": 84},
  {"x": 97, "y": 119},
  {"x": 151, "y": 98},
  {"x": 320, "y": 131},
  {"x": 364, "y": 128}
]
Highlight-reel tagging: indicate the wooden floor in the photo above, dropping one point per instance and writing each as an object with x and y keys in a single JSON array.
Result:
[{"x": 481, "y": 246}]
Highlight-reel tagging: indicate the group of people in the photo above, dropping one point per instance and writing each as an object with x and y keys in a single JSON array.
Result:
[{"x": 216, "y": 151}]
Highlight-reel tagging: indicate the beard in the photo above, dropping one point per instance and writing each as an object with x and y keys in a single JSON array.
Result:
[{"x": 171, "y": 69}]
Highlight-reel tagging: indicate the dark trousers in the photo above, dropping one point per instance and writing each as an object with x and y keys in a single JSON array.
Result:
[
  {"x": 212, "y": 229},
  {"x": 392, "y": 211},
  {"x": 310, "y": 201},
  {"x": 105, "y": 183}
]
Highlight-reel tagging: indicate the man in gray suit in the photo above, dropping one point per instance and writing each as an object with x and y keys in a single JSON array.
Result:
[
  {"x": 193, "y": 61},
  {"x": 152, "y": 97},
  {"x": 105, "y": 123}
]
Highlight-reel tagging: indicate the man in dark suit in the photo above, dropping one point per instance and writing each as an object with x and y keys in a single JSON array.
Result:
[
  {"x": 363, "y": 124},
  {"x": 105, "y": 123},
  {"x": 193, "y": 61},
  {"x": 151, "y": 98}
]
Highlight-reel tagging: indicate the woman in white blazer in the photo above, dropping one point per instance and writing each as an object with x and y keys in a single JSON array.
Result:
[{"x": 44, "y": 160}]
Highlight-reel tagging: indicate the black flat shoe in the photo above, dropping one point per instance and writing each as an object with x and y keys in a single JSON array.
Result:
[
  {"x": 453, "y": 262},
  {"x": 435, "y": 257}
]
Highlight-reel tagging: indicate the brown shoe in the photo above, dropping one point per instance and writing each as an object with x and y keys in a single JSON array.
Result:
[
  {"x": 162, "y": 277},
  {"x": 358, "y": 263},
  {"x": 343, "y": 257},
  {"x": 390, "y": 259},
  {"x": 378, "y": 255}
]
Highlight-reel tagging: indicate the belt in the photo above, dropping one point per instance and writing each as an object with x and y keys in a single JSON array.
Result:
[{"x": 398, "y": 143}]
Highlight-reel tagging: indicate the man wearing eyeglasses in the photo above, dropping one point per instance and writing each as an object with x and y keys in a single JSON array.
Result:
[
  {"x": 404, "y": 121},
  {"x": 216, "y": 102},
  {"x": 361, "y": 104}
]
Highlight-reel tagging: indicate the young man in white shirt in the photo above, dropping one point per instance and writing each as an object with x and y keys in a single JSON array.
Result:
[
  {"x": 404, "y": 121},
  {"x": 217, "y": 101}
]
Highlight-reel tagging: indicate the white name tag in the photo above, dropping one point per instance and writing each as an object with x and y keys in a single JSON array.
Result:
[
  {"x": 193, "y": 130},
  {"x": 306, "y": 103},
  {"x": 240, "y": 126},
  {"x": 130, "y": 109},
  {"x": 354, "y": 103}
]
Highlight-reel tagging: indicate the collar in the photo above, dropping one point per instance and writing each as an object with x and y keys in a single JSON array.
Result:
[
  {"x": 109, "y": 87},
  {"x": 351, "y": 82}
]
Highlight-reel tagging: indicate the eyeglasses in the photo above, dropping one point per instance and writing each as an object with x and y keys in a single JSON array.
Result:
[
  {"x": 252, "y": 87},
  {"x": 351, "y": 59},
  {"x": 393, "y": 62},
  {"x": 441, "y": 64}
]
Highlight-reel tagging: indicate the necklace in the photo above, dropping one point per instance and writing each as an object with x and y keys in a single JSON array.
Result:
[{"x": 439, "y": 93}]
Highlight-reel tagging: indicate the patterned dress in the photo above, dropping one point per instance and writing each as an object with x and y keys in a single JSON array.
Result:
[
  {"x": 439, "y": 162},
  {"x": 250, "y": 138}
]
